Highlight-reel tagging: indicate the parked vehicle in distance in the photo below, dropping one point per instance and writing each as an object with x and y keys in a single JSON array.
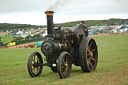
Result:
[
  {"x": 11, "y": 44},
  {"x": 38, "y": 44},
  {"x": 30, "y": 45}
]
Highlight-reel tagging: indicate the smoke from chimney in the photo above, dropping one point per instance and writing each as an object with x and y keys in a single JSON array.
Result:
[{"x": 58, "y": 4}]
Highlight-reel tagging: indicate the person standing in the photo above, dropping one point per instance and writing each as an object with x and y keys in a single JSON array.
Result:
[{"x": 86, "y": 28}]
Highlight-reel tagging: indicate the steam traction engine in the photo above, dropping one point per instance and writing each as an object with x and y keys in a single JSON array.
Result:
[{"x": 62, "y": 49}]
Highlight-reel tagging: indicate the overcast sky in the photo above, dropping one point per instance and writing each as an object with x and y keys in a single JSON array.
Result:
[{"x": 32, "y": 11}]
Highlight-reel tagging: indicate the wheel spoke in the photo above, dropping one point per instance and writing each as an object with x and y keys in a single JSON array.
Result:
[
  {"x": 91, "y": 65},
  {"x": 66, "y": 60},
  {"x": 92, "y": 59},
  {"x": 37, "y": 70},
  {"x": 62, "y": 67},
  {"x": 63, "y": 60},
  {"x": 90, "y": 45},
  {"x": 32, "y": 64},
  {"x": 34, "y": 58},
  {"x": 93, "y": 50},
  {"x": 88, "y": 55},
  {"x": 88, "y": 49},
  {"x": 37, "y": 59},
  {"x": 34, "y": 70},
  {"x": 65, "y": 70},
  {"x": 88, "y": 59}
]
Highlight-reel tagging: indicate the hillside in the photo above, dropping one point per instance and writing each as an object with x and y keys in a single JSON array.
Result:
[
  {"x": 9, "y": 26},
  {"x": 97, "y": 22}
]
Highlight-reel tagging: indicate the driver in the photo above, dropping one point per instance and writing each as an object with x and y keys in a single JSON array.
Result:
[{"x": 86, "y": 28}]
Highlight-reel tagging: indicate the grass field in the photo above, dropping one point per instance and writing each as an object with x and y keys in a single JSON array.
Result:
[
  {"x": 6, "y": 39},
  {"x": 112, "y": 66}
]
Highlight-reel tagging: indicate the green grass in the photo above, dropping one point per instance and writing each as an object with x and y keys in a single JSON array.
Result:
[
  {"x": 6, "y": 39},
  {"x": 112, "y": 66}
]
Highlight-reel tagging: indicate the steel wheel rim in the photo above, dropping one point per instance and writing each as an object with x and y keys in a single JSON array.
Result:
[
  {"x": 91, "y": 55},
  {"x": 65, "y": 65},
  {"x": 35, "y": 65}
]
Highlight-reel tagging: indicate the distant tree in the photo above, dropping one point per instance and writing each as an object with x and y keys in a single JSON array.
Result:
[
  {"x": 18, "y": 39},
  {"x": 1, "y": 43},
  {"x": 36, "y": 36},
  {"x": 29, "y": 37},
  {"x": 5, "y": 45},
  {"x": 15, "y": 40}
]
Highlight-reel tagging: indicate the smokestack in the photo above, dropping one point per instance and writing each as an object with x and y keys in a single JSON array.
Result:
[{"x": 49, "y": 15}]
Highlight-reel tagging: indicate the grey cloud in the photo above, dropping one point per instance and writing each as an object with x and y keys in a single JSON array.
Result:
[
  {"x": 9, "y": 6},
  {"x": 64, "y": 7},
  {"x": 96, "y": 7},
  {"x": 58, "y": 4},
  {"x": 74, "y": 7}
]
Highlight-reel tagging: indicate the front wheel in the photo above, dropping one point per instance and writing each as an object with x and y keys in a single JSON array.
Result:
[
  {"x": 35, "y": 64},
  {"x": 64, "y": 65}
]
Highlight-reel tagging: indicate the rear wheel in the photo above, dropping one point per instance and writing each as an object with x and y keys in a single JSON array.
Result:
[
  {"x": 79, "y": 33},
  {"x": 64, "y": 65},
  {"x": 88, "y": 54},
  {"x": 35, "y": 64}
]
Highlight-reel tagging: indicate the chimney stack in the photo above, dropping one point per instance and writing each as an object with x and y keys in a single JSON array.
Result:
[{"x": 49, "y": 15}]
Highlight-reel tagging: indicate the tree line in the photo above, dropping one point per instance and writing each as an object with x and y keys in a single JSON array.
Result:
[
  {"x": 8, "y": 26},
  {"x": 89, "y": 23},
  {"x": 109, "y": 22}
]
